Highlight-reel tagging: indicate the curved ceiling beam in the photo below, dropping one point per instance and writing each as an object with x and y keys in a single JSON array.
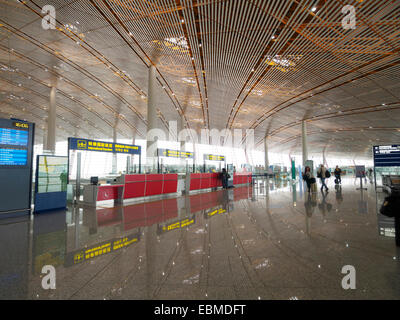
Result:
[
  {"x": 61, "y": 57},
  {"x": 139, "y": 46}
]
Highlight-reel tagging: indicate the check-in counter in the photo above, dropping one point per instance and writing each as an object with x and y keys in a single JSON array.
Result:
[
  {"x": 94, "y": 193},
  {"x": 242, "y": 178},
  {"x": 133, "y": 186},
  {"x": 130, "y": 186},
  {"x": 202, "y": 181}
]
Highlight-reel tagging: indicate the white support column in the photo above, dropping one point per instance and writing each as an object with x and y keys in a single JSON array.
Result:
[
  {"x": 266, "y": 159},
  {"x": 304, "y": 141},
  {"x": 151, "y": 106},
  {"x": 44, "y": 139},
  {"x": 114, "y": 156},
  {"x": 51, "y": 122}
]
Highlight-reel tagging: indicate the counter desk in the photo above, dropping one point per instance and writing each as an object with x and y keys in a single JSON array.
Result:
[
  {"x": 135, "y": 186},
  {"x": 131, "y": 186}
]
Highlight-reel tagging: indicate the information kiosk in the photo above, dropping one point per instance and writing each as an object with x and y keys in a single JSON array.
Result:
[{"x": 16, "y": 152}]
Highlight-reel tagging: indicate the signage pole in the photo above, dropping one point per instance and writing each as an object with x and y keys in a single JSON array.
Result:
[{"x": 78, "y": 178}]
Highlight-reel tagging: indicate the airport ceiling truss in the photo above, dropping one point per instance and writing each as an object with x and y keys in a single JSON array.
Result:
[{"x": 224, "y": 64}]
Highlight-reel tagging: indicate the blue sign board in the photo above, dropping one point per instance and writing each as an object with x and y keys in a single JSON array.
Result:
[
  {"x": 387, "y": 156},
  {"x": 102, "y": 146}
]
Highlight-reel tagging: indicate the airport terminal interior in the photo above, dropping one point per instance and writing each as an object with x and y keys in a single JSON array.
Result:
[{"x": 199, "y": 149}]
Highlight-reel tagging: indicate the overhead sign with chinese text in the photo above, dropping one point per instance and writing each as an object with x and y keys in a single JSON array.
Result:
[
  {"x": 102, "y": 146},
  {"x": 214, "y": 157},
  {"x": 174, "y": 153}
]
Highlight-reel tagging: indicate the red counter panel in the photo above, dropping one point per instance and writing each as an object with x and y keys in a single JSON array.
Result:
[
  {"x": 195, "y": 181},
  {"x": 108, "y": 192},
  {"x": 170, "y": 184},
  {"x": 242, "y": 178},
  {"x": 134, "y": 189},
  {"x": 154, "y": 184},
  {"x": 135, "y": 178},
  {"x": 205, "y": 181}
]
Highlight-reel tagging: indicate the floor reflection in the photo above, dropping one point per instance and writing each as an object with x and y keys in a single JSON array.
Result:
[{"x": 241, "y": 243}]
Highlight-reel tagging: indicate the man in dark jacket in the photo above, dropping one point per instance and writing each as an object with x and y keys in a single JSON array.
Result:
[
  {"x": 391, "y": 208},
  {"x": 338, "y": 173},
  {"x": 224, "y": 177}
]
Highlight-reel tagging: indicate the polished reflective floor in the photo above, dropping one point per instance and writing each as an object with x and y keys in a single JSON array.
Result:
[{"x": 269, "y": 241}]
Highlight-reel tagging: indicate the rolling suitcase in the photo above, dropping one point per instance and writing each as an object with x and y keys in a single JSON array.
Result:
[{"x": 314, "y": 187}]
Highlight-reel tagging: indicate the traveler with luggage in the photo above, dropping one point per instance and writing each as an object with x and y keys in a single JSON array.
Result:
[
  {"x": 338, "y": 173},
  {"x": 323, "y": 174}
]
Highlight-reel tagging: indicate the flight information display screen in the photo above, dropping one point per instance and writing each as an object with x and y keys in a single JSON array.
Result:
[
  {"x": 14, "y": 137},
  {"x": 13, "y": 157}
]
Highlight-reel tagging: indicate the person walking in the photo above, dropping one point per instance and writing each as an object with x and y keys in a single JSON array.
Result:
[
  {"x": 307, "y": 176},
  {"x": 370, "y": 174},
  {"x": 323, "y": 173},
  {"x": 338, "y": 173}
]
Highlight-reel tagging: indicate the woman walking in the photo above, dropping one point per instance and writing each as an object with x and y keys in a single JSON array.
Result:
[{"x": 307, "y": 177}]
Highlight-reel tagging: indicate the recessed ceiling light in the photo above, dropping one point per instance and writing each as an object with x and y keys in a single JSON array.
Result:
[{"x": 314, "y": 9}]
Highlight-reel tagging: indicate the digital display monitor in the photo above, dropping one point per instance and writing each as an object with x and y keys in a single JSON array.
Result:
[
  {"x": 387, "y": 156},
  {"x": 14, "y": 137},
  {"x": 13, "y": 157}
]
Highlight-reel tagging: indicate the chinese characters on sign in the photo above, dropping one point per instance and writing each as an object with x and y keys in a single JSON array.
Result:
[{"x": 102, "y": 146}]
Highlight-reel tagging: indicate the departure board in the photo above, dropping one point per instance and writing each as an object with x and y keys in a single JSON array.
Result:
[
  {"x": 16, "y": 150},
  {"x": 13, "y": 157},
  {"x": 387, "y": 156},
  {"x": 14, "y": 137}
]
